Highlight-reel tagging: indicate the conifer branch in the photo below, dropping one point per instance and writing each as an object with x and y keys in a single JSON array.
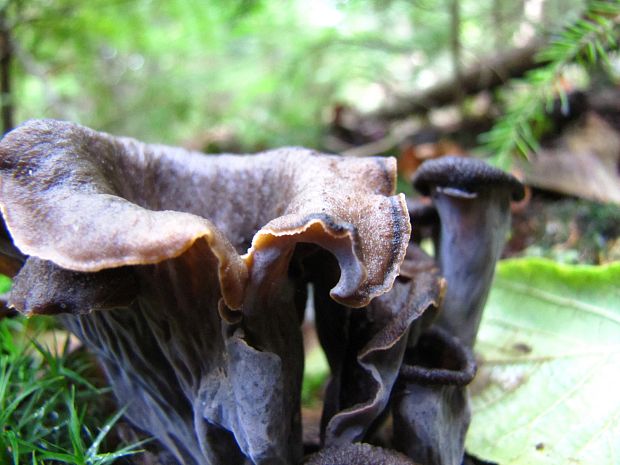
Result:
[{"x": 586, "y": 42}]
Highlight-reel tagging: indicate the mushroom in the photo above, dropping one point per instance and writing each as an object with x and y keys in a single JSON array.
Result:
[
  {"x": 365, "y": 348},
  {"x": 430, "y": 402},
  {"x": 358, "y": 454},
  {"x": 186, "y": 274},
  {"x": 473, "y": 203},
  {"x": 426, "y": 220}
]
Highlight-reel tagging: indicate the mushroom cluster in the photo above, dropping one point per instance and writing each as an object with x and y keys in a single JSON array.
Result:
[{"x": 188, "y": 276}]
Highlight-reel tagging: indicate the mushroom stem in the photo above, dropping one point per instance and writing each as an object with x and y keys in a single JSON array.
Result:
[
  {"x": 430, "y": 403},
  {"x": 473, "y": 203}
]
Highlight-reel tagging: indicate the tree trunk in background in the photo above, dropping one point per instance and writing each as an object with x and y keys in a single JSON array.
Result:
[
  {"x": 487, "y": 74},
  {"x": 456, "y": 49},
  {"x": 497, "y": 16},
  {"x": 6, "y": 57}
]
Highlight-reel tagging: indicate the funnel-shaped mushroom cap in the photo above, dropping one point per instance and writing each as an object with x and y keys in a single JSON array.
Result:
[
  {"x": 358, "y": 454},
  {"x": 87, "y": 201},
  {"x": 189, "y": 261},
  {"x": 473, "y": 202},
  {"x": 468, "y": 175},
  {"x": 430, "y": 403},
  {"x": 365, "y": 348}
]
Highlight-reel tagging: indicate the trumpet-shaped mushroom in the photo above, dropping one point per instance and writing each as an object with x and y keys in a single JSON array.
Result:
[
  {"x": 430, "y": 403},
  {"x": 473, "y": 203},
  {"x": 187, "y": 275},
  {"x": 365, "y": 349},
  {"x": 358, "y": 454}
]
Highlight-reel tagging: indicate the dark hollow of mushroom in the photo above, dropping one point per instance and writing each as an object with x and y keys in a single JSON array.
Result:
[{"x": 188, "y": 275}]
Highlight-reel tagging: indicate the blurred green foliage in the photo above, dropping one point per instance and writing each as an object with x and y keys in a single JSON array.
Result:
[
  {"x": 316, "y": 371},
  {"x": 268, "y": 72}
]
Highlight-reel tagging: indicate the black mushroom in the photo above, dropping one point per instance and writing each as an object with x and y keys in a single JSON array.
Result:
[
  {"x": 468, "y": 221},
  {"x": 358, "y": 454},
  {"x": 472, "y": 200},
  {"x": 365, "y": 348},
  {"x": 430, "y": 402},
  {"x": 187, "y": 274}
]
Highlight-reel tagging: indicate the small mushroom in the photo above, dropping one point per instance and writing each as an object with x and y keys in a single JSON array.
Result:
[
  {"x": 186, "y": 274},
  {"x": 430, "y": 402},
  {"x": 358, "y": 454},
  {"x": 365, "y": 348},
  {"x": 473, "y": 203}
]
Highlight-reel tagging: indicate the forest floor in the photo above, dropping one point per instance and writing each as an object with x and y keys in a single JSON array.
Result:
[{"x": 566, "y": 229}]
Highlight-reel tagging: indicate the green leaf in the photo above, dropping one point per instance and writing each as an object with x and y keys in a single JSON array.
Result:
[
  {"x": 75, "y": 427},
  {"x": 547, "y": 388},
  {"x": 58, "y": 457},
  {"x": 5, "y": 284},
  {"x": 94, "y": 447},
  {"x": 316, "y": 372}
]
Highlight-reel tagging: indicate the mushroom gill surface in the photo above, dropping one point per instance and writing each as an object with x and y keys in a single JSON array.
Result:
[{"x": 194, "y": 266}]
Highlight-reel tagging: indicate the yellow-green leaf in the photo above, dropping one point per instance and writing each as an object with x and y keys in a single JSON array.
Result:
[{"x": 548, "y": 389}]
